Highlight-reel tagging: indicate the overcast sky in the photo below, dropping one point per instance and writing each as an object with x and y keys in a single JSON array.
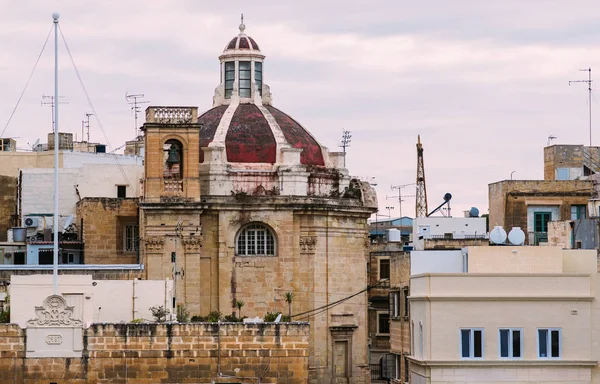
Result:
[{"x": 483, "y": 82}]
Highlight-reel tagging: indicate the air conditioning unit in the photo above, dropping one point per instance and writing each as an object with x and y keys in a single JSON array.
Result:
[{"x": 31, "y": 222}]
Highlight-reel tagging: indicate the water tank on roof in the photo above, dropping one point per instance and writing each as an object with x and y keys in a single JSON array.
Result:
[
  {"x": 393, "y": 235},
  {"x": 498, "y": 235},
  {"x": 474, "y": 212},
  {"x": 516, "y": 236}
]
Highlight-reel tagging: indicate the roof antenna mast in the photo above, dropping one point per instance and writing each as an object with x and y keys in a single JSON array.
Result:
[
  {"x": 589, "y": 83},
  {"x": 346, "y": 136},
  {"x": 134, "y": 101},
  {"x": 421, "y": 200}
]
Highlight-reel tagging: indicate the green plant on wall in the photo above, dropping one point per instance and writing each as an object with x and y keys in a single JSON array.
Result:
[
  {"x": 239, "y": 304},
  {"x": 183, "y": 315},
  {"x": 159, "y": 313},
  {"x": 289, "y": 297},
  {"x": 5, "y": 311}
]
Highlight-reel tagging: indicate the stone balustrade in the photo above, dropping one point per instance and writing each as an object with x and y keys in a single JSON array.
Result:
[{"x": 172, "y": 115}]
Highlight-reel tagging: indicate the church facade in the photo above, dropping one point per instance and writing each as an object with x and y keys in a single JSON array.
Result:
[{"x": 242, "y": 204}]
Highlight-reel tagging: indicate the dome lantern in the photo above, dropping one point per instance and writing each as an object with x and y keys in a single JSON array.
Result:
[{"x": 241, "y": 72}]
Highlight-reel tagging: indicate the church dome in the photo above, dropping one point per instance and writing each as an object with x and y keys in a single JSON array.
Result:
[
  {"x": 250, "y": 133},
  {"x": 242, "y": 119}
]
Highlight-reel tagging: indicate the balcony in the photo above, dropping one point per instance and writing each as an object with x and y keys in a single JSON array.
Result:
[
  {"x": 535, "y": 238},
  {"x": 172, "y": 115}
]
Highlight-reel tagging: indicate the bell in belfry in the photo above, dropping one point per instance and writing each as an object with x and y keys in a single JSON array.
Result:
[{"x": 173, "y": 157}]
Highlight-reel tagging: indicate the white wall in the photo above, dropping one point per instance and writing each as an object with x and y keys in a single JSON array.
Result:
[
  {"x": 104, "y": 301},
  {"x": 93, "y": 180},
  {"x": 436, "y": 262},
  {"x": 458, "y": 226},
  {"x": 78, "y": 159}
]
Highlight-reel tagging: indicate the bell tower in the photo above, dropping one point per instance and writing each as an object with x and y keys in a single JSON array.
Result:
[{"x": 172, "y": 154}]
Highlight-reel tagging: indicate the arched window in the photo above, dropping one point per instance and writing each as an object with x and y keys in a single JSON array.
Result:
[
  {"x": 173, "y": 160},
  {"x": 255, "y": 239}
]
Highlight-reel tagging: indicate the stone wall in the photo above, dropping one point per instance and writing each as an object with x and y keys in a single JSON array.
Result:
[
  {"x": 166, "y": 353},
  {"x": 509, "y": 199},
  {"x": 400, "y": 338},
  {"x": 102, "y": 222},
  {"x": 8, "y": 204}
]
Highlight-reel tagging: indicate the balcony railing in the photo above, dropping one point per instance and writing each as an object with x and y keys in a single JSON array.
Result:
[
  {"x": 535, "y": 238},
  {"x": 172, "y": 115},
  {"x": 173, "y": 186}
]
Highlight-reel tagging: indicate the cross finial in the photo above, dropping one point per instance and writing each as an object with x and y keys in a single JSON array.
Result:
[{"x": 242, "y": 26}]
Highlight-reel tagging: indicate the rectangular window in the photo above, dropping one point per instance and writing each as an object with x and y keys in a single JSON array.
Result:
[
  {"x": 562, "y": 173},
  {"x": 131, "y": 236},
  {"x": 384, "y": 268},
  {"x": 471, "y": 343},
  {"x": 406, "y": 306},
  {"x": 383, "y": 323},
  {"x": 121, "y": 191},
  {"x": 420, "y": 340},
  {"x": 406, "y": 371},
  {"x": 229, "y": 78},
  {"x": 395, "y": 303},
  {"x": 245, "y": 79},
  {"x": 578, "y": 212},
  {"x": 541, "y": 220},
  {"x": 549, "y": 343},
  {"x": 511, "y": 343},
  {"x": 258, "y": 76}
]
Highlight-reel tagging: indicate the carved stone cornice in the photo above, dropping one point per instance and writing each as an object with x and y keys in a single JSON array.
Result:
[
  {"x": 154, "y": 244},
  {"x": 308, "y": 244},
  {"x": 54, "y": 313},
  {"x": 192, "y": 243}
]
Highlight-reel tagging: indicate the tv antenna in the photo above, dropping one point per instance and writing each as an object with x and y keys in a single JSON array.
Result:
[
  {"x": 346, "y": 136},
  {"x": 86, "y": 124},
  {"x": 589, "y": 83},
  {"x": 400, "y": 196},
  {"x": 134, "y": 101},
  {"x": 49, "y": 100},
  {"x": 550, "y": 138}
]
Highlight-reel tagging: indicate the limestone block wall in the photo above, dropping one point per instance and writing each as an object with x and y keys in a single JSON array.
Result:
[
  {"x": 101, "y": 222},
  {"x": 509, "y": 199},
  {"x": 167, "y": 353},
  {"x": 8, "y": 204}
]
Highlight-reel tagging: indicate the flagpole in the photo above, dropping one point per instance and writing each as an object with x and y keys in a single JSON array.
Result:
[{"x": 55, "y": 17}]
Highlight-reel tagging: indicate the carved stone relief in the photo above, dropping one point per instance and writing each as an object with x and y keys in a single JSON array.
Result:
[
  {"x": 192, "y": 243},
  {"x": 154, "y": 244},
  {"x": 308, "y": 244},
  {"x": 54, "y": 313}
]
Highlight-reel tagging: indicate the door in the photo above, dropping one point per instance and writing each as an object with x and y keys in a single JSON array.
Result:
[
  {"x": 540, "y": 220},
  {"x": 340, "y": 356}
]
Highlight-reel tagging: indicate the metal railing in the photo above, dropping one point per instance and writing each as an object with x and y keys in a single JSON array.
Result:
[
  {"x": 535, "y": 238},
  {"x": 375, "y": 371}
]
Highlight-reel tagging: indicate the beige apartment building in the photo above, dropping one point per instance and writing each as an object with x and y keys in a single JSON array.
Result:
[{"x": 518, "y": 315}]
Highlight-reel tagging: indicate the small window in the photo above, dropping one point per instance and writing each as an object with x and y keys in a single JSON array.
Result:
[
  {"x": 258, "y": 76},
  {"x": 471, "y": 343},
  {"x": 549, "y": 343},
  {"x": 406, "y": 306},
  {"x": 130, "y": 238},
  {"x": 245, "y": 79},
  {"x": 121, "y": 191},
  {"x": 229, "y": 78},
  {"x": 395, "y": 303},
  {"x": 511, "y": 343},
  {"x": 562, "y": 173},
  {"x": 420, "y": 340},
  {"x": 578, "y": 212},
  {"x": 383, "y": 323},
  {"x": 255, "y": 240},
  {"x": 412, "y": 338},
  {"x": 384, "y": 268},
  {"x": 406, "y": 371}
]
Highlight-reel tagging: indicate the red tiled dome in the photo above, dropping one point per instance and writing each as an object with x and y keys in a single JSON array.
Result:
[
  {"x": 242, "y": 42},
  {"x": 249, "y": 136}
]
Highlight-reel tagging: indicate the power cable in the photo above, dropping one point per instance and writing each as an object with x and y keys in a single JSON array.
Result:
[
  {"x": 27, "y": 83},
  {"x": 91, "y": 105}
]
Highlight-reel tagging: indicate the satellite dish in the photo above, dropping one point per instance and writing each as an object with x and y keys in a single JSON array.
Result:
[
  {"x": 68, "y": 222},
  {"x": 498, "y": 235},
  {"x": 516, "y": 236},
  {"x": 447, "y": 197}
]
